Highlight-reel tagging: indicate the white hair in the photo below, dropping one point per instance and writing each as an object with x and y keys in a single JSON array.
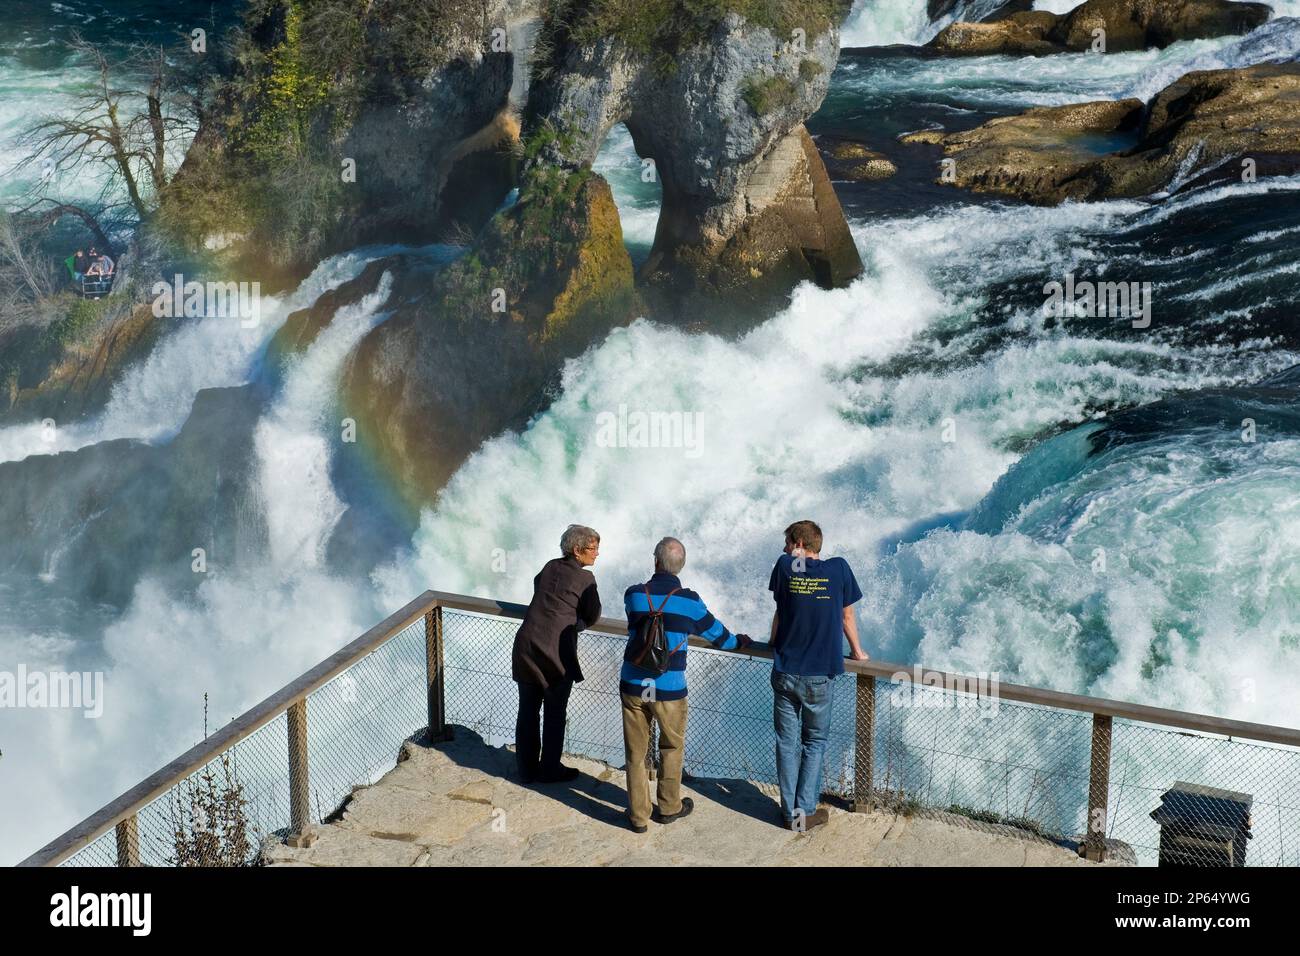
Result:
[
  {"x": 670, "y": 554},
  {"x": 577, "y": 537}
]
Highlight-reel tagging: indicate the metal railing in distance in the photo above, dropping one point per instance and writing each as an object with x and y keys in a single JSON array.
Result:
[{"x": 1106, "y": 776}]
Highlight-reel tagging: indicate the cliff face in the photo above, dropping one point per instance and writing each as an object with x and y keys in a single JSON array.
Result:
[
  {"x": 747, "y": 207},
  {"x": 718, "y": 102},
  {"x": 350, "y": 121}
]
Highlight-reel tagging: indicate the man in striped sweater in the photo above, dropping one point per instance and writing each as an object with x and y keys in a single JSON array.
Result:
[{"x": 648, "y": 695}]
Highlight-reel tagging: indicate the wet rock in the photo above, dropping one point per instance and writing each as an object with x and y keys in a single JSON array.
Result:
[
  {"x": 1208, "y": 125},
  {"x": 1127, "y": 25},
  {"x": 747, "y": 209},
  {"x": 850, "y": 159}
]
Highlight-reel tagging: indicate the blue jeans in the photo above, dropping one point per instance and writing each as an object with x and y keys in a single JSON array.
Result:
[{"x": 801, "y": 714}]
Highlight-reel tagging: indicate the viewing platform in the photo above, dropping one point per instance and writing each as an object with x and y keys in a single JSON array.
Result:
[{"x": 458, "y": 803}]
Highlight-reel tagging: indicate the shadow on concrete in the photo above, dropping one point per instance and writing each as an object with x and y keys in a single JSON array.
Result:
[{"x": 600, "y": 798}]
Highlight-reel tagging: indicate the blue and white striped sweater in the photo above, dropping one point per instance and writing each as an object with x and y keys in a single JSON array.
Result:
[{"x": 684, "y": 615}]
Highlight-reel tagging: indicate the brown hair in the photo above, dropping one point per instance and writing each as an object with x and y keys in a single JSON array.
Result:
[{"x": 806, "y": 533}]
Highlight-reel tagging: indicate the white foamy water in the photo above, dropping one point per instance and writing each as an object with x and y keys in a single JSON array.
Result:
[
  {"x": 294, "y": 440},
  {"x": 1193, "y": 605},
  {"x": 887, "y": 22},
  {"x": 861, "y": 449},
  {"x": 251, "y": 624},
  {"x": 1021, "y": 82},
  {"x": 636, "y": 190}
]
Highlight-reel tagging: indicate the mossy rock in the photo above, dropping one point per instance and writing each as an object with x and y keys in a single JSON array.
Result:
[
  {"x": 478, "y": 352},
  {"x": 875, "y": 168}
]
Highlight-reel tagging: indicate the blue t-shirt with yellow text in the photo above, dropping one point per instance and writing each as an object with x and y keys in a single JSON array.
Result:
[{"x": 810, "y": 605}]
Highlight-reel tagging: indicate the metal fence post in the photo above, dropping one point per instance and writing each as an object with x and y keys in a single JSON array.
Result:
[
  {"x": 128, "y": 841},
  {"x": 433, "y": 665},
  {"x": 299, "y": 781},
  {"x": 864, "y": 743},
  {"x": 1098, "y": 789}
]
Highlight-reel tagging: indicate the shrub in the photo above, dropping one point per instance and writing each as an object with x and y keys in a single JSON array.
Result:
[{"x": 766, "y": 95}]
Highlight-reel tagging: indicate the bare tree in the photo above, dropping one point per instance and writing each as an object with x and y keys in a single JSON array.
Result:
[
  {"x": 26, "y": 280},
  {"x": 126, "y": 132}
]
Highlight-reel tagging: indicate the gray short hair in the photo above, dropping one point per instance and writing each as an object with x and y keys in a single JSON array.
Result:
[
  {"x": 670, "y": 554},
  {"x": 577, "y": 537}
]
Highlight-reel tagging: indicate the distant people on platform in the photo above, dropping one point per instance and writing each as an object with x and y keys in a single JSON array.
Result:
[
  {"x": 814, "y": 614},
  {"x": 101, "y": 265},
  {"x": 544, "y": 661},
  {"x": 77, "y": 264},
  {"x": 661, "y": 617}
]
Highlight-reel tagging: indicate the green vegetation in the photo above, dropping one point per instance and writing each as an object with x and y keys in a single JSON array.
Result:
[
  {"x": 545, "y": 135},
  {"x": 523, "y": 244},
  {"x": 305, "y": 69},
  {"x": 766, "y": 95},
  {"x": 990, "y": 816},
  {"x": 663, "y": 29},
  {"x": 28, "y": 353},
  {"x": 558, "y": 253},
  {"x": 327, "y": 57},
  {"x": 82, "y": 316},
  {"x": 809, "y": 70},
  {"x": 288, "y": 95}
]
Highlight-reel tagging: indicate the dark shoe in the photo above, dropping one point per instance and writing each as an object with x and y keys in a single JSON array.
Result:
[
  {"x": 632, "y": 826},
  {"x": 687, "y": 806},
  {"x": 563, "y": 775},
  {"x": 814, "y": 819}
]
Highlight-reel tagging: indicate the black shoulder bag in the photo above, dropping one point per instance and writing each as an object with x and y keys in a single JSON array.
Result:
[{"x": 648, "y": 649}]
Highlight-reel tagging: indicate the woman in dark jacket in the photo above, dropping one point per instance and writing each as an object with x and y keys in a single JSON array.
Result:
[{"x": 545, "y": 658}]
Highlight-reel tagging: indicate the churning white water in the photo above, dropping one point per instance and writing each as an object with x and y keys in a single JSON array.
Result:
[{"x": 804, "y": 416}]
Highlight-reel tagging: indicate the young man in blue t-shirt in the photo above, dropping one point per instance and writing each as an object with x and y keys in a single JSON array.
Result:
[{"x": 814, "y": 614}]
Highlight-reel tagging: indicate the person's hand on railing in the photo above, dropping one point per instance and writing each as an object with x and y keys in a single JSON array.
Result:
[
  {"x": 743, "y": 641},
  {"x": 858, "y": 654}
]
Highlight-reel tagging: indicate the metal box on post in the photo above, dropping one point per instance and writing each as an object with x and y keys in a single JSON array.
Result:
[{"x": 1203, "y": 826}]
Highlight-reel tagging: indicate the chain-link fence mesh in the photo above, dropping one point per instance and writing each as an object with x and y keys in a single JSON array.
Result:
[
  {"x": 220, "y": 814},
  {"x": 1189, "y": 799},
  {"x": 963, "y": 754}
]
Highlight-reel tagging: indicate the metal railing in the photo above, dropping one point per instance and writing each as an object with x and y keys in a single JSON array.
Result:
[{"x": 1105, "y": 776}]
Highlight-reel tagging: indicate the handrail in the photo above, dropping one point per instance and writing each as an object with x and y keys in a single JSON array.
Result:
[
  {"x": 202, "y": 753},
  {"x": 1017, "y": 692},
  {"x": 158, "y": 783}
]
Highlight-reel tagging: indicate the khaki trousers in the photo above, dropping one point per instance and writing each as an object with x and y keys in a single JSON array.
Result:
[{"x": 637, "y": 715}]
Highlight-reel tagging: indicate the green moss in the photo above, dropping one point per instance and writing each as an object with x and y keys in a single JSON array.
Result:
[
  {"x": 546, "y": 135},
  {"x": 768, "y": 94},
  {"x": 27, "y": 354},
  {"x": 558, "y": 253},
  {"x": 304, "y": 70},
  {"x": 809, "y": 70}
]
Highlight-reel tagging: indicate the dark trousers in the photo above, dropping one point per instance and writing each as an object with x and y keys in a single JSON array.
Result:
[{"x": 539, "y": 755}]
